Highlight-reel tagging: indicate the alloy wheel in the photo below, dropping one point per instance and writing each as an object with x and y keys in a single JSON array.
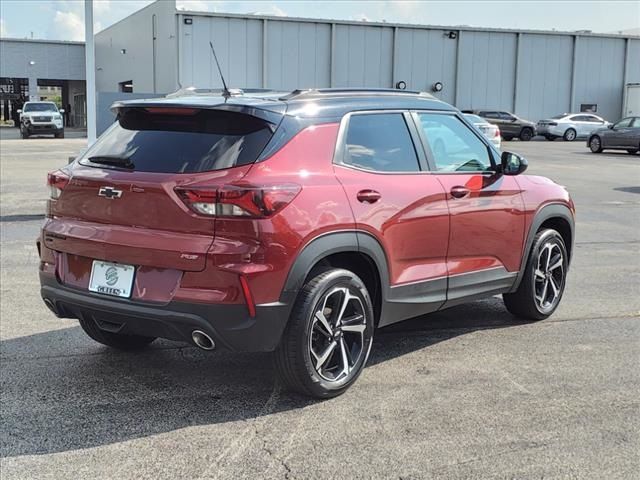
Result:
[
  {"x": 549, "y": 276},
  {"x": 337, "y": 340},
  {"x": 595, "y": 144}
]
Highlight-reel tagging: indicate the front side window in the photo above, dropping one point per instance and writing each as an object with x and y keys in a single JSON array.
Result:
[
  {"x": 381, "y": 143},
  {"x": 454, "y": 146}
]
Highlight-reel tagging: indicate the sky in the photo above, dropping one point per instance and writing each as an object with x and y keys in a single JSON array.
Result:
[{"x": 64, "y": 19}]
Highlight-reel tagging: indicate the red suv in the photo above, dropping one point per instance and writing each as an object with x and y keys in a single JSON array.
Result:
[{"x": 295, "y": 224}]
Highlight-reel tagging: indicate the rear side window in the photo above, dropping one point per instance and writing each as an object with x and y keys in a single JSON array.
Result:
[
  {"x": 180, "y": 140},
  {"x": 381, "y": 143}
]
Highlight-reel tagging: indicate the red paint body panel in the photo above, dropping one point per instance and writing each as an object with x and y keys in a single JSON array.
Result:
[
  {"x": 487, "y": 225},
  {"x": 411, "y": 220}
]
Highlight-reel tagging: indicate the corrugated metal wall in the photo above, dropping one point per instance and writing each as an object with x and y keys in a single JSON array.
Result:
[{"x": 536, "y": 75}]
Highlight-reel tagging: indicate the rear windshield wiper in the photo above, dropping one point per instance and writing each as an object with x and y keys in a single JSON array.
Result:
[{"x": 112, "y": 160}]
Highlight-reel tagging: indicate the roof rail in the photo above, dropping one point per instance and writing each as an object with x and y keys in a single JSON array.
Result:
[{"x": 320, "y": 92}]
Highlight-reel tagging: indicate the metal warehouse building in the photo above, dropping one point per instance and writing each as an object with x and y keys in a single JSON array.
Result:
[
  {"x": 532, "y": 73},
  {"x": 34, "y": 69}
]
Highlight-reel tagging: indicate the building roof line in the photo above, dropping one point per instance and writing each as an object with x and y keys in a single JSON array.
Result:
[
  {"x": 458, "y": 28},
  {"x": 41, "y": 40}
]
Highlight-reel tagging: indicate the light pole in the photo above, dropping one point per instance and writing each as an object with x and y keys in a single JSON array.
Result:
[{"x": 90, "y": 65}]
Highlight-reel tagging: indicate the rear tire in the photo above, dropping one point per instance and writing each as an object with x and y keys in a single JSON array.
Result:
[
  {"x": 632, "y": 151},
  {"x": 526, "y": 134},
  {"x": 114, "y": 340},
  {"x": 542, "y": 285},
  {"x": 327, "y": 340},
  {"x": 570, "y": 135},
  {"x": 595, "y": 144}
]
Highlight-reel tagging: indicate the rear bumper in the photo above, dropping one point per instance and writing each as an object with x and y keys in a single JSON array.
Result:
[{"x": 230, "y": 326}]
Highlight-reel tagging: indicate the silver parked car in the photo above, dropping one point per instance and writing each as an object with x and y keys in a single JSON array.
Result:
[
  {"x": 570, "y": 126},
  {"x": 622, "y": 135},
  {"x": 489, "y": 130}
]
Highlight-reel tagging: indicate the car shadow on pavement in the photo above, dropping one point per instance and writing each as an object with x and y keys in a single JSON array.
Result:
[{"x": 61, "y": 392}]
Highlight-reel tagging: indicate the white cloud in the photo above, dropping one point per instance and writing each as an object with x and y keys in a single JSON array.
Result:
[
  {"x": 3, "y": 29},
  {"x": 68, "y": 25},
  {"x": 195, "y": 5}
]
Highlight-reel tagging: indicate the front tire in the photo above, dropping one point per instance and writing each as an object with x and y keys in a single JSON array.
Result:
[
  {"x": 542, "y": 285},
  {"x": 595, "y": 144},
  {"x": 328, "y": 337},
  {"x": 114, "y": 340},
  {"x": 570, "y": 135},
  {"x": 59, "y": 134},
  {"x": 24, "y": 133},
  {"x": 632, "y": 151}
]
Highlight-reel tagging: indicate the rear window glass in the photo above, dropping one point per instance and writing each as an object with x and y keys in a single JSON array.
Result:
[{"x": 188, "y": 141}]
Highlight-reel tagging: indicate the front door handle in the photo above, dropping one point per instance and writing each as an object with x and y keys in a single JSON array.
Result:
[
  {"x": 368, "y": 196},
  {"x": 459, "y": 192}
]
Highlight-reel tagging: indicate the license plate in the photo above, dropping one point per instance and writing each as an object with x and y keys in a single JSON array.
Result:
[{"x": 111, "y": 278}]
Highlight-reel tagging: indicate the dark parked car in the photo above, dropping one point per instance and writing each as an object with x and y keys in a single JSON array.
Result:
[
  {"x": 296, "y": 224},
  {"x": 511, "y": 126},
  {"x": 622, "y": 135}
]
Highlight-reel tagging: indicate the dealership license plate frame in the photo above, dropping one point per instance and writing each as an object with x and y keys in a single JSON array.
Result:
[{"x": 112, "y": 279}]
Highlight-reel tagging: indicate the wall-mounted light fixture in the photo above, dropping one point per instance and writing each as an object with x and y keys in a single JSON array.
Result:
[
  {"x": 437, "y": 87},
  {"x": 32, "y": 62},
  {"x": 123, "y": 51},
  {"x": 401, "y": 85},
  {"x": 452, "y": 35}
]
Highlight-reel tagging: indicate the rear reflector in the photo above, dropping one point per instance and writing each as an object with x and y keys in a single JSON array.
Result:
[
  {"x": 56, "y": 182},
  {"x": 251, "y": 306},
  {"x": 238, "y": 201}
]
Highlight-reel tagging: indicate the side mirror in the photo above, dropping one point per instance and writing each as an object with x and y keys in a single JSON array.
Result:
[
  {"x": 610, "y": 126},
  {"x": 61, "y": 110},
  {"x": 513, "y": 164},
  {"x": 19, "y": 110}
]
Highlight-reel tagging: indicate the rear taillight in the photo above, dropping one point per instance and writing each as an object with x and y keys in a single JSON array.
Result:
[
  {"x": 238, "y": 201},
  {"x": 497, "y": 132},
  {"x": 56, "y": 181}
]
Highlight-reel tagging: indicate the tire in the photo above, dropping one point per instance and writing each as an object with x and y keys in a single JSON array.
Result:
[
  {"x": 507, "y": 138},
  {"x": 632, "y": 151},
  {"x": 526, "y": 134},
  {"x": 114, "y": 340},
  {"x": 569, "y": 135},
  {"x": 24, "y": 133},
  {"x": 525, "y": 301},
  {"x": 59, "y": 134},
  {"x": 318, "y": 361},
  {"x": 595, "y": 144}
]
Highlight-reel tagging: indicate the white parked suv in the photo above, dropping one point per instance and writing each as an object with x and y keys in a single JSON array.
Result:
[
  {"x": 38, "y": 118},
  {"x": 570, "y": 126}
]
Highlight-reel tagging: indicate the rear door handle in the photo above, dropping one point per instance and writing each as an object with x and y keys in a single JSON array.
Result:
[
  {"x": 459, "y": 192},
  {"x": 368, "y": 196}
]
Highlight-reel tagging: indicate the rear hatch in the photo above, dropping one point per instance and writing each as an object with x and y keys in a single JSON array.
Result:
[{"x": 118, "y": 202}]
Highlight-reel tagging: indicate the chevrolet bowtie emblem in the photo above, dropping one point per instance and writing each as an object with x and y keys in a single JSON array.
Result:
[{"x": 109, "y": 192}]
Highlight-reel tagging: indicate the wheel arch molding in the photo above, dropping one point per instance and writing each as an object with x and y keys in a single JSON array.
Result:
[
  {"x": 556, "y": 215},
  {"x": 326, "y": 245}
]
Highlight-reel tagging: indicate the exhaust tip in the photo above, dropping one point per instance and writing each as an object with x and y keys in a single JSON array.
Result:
[
  {"x": 51, "y": 306},
  {"x": 202, "y": 340}
]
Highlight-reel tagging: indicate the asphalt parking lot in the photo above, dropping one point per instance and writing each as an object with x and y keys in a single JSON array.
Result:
[{"x": 466, "y": 393}]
